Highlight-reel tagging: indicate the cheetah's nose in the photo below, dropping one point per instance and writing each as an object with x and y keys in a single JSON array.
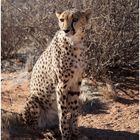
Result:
[{"x": 66, "y": 31}]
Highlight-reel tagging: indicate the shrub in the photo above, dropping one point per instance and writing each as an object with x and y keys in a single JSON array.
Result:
[{"x": 112, "y": 37}]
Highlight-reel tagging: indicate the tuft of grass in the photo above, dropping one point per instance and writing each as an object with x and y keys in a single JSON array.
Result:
[{"x": 10, "y": 123}]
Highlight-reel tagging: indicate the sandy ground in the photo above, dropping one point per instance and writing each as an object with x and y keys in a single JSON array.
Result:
[{"x": 100, "y": 119}]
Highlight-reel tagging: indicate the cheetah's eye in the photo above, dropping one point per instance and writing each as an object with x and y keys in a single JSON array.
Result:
[
  {"x": 62, "y": 20},
  {"x": 75, "y": 19}
]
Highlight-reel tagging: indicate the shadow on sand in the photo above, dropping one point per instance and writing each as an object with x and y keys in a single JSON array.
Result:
[
  {"x": 91, "y": 133},
  {"x": 103, "y": 134},
  {"x": 126, "y": 101},
  {"x": 94, "y": 107}
]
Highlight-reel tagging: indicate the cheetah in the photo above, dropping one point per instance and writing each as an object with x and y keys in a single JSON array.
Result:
[{"x": 56, "y": 77}]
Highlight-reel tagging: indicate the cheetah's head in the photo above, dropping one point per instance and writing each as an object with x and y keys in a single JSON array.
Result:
[{"x": 73, "y": 22}]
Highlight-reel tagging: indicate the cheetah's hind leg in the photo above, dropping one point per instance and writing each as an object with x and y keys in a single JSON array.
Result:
[
  {"x": 48, "y": 119},
  {"x": 39, "y": 115}
]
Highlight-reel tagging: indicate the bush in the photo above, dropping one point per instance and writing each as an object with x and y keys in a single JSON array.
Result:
[
  {"x": 113, "y": 42},
  {"x": 112, "y": 37}
]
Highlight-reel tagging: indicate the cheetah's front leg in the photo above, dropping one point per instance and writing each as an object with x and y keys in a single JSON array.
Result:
[
  {"x": 73, "y": 105},
  {"x": 63, "y": 115}
]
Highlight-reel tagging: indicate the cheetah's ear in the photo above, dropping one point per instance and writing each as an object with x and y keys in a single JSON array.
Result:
[
  {"x": 57, "y": 14},
  {"x": 87, "y": 13}
]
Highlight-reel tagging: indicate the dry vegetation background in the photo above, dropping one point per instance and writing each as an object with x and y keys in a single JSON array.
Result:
[
  {"x": 112, "y": 36},
  {"x": 112, "y": 42}
]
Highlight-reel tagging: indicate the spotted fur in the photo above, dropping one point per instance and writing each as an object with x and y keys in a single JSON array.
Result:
[{"x": 54, "y": 85}]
